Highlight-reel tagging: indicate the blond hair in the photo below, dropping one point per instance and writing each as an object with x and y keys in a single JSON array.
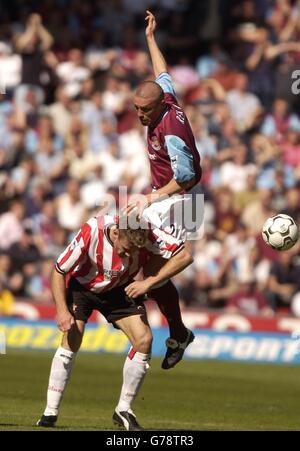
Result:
[{"x": 137, "y": 236}]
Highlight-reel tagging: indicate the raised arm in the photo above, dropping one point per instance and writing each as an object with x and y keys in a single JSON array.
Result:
[
  {"x": 166, "y": 270},
  {"x": 275, "y": 50},
  {"x": 158, "y": 61},
  {"x": 35, "y": 28}
]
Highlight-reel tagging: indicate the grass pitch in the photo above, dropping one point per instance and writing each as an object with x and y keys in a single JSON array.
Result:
[{"x": 196, "y": 395}]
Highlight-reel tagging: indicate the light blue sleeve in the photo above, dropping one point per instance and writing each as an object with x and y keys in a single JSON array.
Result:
[
  {"x": 181, "y": 159},
  {"x": 165, "y": 82}
]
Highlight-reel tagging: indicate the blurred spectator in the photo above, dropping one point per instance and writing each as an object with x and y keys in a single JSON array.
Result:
[
  {"x": 291, "y": 148},
  {"x": 260, "y": 210},
  {"x": 180, "y": 41},
  {"x": 56, "y": 246},
  {"x": 234, "y": 173},
  {"x": 226, "y": 217},
  {"x": 105, "y": 134},
  {"x": 44, "y": 226},
  {"x": 61, "y": 111},
  {"x": 71, "y": 212},
  {"x": 284, "y": 280},
  {"x": 38, "y": 287},
  {"x": 248, "y": 300},
  {"x": 10, "y": 68},
  {"x": 107, "y": 160},
  {"x": 184, "y": 76},
  {"x": 92, "y": 113},
  {"x": 239, "y": 246},
  {"x": 115, "y": 95},
  {"x": 292, "y": 206},
  {"x": 38, "y": 190},
  {"x": 249, "y": 193},
  {"x": 69, "y": 134},
  {"x": 44, "y": 131},
  {"x": 244, "y": 106},
  {"x": 50, "y": 163},
  {"x": 10, "y": 279},
  {"x": 279, "y": 120},
  {"x": 21, "y": 175},
  {"x": 32, "y": 44},
  {"x": 259, "y": 268},
  {"x": 73, "y": 72},
  {"x": 6, "y": 302},
  {"x": 24, "y": 254},
  {"x": 81, "y": 161},
  {"x": 93, "y": 191},
  {"x": 11, "y": 224},
  {"x": 133, "y": 153},
  {"x": 207, "y": 64}
]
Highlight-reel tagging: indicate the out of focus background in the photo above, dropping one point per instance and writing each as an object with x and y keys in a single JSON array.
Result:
[{"x": 69, "y": 134}]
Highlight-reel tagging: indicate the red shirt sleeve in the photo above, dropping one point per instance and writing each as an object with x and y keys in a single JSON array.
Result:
[{"x": 75, "y": 252}]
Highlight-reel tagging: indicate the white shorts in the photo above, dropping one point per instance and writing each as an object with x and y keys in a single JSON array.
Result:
[{"x": 174, "y": 214}]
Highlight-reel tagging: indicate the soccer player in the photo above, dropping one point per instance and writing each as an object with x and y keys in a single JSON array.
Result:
[
  {"x": 175, "y": 169},
  {"x": 99, "y": 265}
]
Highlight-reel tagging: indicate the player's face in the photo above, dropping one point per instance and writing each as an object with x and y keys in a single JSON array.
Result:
[
  {"x": 148, "y": 110},
  {"x": 124, "y": 248}
]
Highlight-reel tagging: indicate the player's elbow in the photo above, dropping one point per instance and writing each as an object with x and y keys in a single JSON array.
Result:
[
  {"x": 189, "y": 259},
  {"x": 187, "y": 184},
  {"x": 186, "y": 258}
]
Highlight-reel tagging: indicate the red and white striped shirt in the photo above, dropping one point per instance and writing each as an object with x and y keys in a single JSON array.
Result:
[{"x": 93, "y": 261}]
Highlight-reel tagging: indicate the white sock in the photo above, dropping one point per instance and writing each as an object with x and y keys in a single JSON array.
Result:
[
  {"x": 134, "y": 371},
  {"x": 60, "y": 373}
]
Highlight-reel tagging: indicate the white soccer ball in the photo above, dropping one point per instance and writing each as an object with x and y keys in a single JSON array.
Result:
[{"x": 280, "y": 232}]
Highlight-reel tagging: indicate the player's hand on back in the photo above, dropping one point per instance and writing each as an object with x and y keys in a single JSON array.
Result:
[
  {"x": 151, "y": 27},
  {"x": 64, "y": 320},
  {"x": 138, "y": 206},
  {"x": 137, "y": 288}
]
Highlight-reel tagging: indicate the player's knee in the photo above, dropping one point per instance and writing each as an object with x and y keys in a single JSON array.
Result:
[{"x": 143, "y": 342}]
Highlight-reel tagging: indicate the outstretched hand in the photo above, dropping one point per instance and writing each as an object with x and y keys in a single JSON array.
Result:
[{"x": 151, "y": 27}]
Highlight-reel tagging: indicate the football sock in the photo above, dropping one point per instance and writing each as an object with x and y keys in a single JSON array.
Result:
[
  {"x": 167, "y": 299},
  {"x": 60, "y": 373},
  {"x": 134, "y": 371}
]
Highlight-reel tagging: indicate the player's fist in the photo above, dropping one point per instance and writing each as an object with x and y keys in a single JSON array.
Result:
[
  {"x": 151, "y": 24},
  {"x": 64, "y": 320}
]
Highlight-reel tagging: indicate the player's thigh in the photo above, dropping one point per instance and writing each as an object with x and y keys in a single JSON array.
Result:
[
  {"x": 72, "y": 339},
  {"x": 137, "y": 329}
]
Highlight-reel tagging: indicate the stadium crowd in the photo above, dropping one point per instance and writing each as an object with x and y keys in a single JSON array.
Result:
[{"x": 69, "y": 135}]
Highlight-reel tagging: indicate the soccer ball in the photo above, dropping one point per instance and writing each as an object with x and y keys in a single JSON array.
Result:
[{"x": 280, "y": 232}]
